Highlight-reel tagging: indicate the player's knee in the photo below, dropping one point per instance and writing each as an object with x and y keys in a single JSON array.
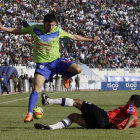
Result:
[
  {"x": 37, "y": 88},
  {"x": 72, "y": 117},
  {"x": 78, "y": 70},
  {"x": 77, "y": 102}
]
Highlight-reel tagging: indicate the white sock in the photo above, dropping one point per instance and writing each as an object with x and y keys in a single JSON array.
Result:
[
  {"x": 55, "y": 101},
  {"x": 61, "y": 101},
  {"x": 63, "y": 124}
]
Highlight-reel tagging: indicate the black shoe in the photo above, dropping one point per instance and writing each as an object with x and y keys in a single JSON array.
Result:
[
  {"x": 41, "y": 126},
  {"x": 44, "y": 99}
]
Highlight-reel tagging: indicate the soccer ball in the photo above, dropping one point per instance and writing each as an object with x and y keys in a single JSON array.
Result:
[{"x": 38, "y": 112}]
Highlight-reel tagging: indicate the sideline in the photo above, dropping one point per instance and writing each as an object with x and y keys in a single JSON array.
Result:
[{"x": 14, "y": 100}]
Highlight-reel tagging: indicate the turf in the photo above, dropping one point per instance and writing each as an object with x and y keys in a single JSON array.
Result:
[{"x": 13, "y": 109}]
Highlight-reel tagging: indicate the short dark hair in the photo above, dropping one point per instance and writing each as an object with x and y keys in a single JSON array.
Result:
[
  {"x": 136, "y": 99},
  {"x": 50, "y": 17}
]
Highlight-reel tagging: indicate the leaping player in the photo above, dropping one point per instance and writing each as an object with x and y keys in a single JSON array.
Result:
[{"x": 47, "y": 56}]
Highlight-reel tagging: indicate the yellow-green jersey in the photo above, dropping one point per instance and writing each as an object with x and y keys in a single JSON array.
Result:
[{"x": 46, "y": 45}]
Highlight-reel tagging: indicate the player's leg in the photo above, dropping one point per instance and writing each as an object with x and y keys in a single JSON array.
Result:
[
  {"x": 72, "y": 70},
  {"x": 2, "y": 89},
  {"x": 6, "y": 88},
  {"x": 68, "y": 69},
  {"x": 77, "y": 118},
  {"x": 62, "y": 101},
  {"x": 38, "y": 82},
  {"x": 58, "y": 101},
  {"x": 78, "y": 87},
  {"x": 72, "y": 118}
]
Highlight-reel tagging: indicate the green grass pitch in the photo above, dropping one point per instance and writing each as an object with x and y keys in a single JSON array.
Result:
[{"x": 13, "y": 109}]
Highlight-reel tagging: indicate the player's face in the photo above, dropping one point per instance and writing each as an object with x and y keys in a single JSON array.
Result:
[
  {"x": 49, "y": 26},
  {"x": 129, "y": 101}
]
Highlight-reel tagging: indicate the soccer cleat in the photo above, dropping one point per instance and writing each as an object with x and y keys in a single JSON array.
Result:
[
  {"x": 66, "y": 83},
  {"x": 28, "y": 118},
  {"x": 41, "y": 126},
  {"x": 44, "y": 99}
]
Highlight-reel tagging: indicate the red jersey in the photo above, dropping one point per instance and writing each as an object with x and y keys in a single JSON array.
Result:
[{"x": 119, "y": 116}]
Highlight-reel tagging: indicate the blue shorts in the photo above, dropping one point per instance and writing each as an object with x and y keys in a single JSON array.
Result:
[{"x": 58, "y": 66}]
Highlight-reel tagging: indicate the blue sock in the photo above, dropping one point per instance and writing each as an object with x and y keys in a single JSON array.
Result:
[{"x": 32, "y": 101}]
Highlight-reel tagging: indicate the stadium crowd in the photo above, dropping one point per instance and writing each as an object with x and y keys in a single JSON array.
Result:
[{"x": 116, "y": 25}]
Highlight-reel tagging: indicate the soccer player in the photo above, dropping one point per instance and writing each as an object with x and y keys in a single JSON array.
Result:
[
  {"x": 47, "y": 55},
  {"x": 94, "y": 117}
]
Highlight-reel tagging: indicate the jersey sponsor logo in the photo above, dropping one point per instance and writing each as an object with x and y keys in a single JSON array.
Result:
[
  {"x": 120, "y": 119},
  {"x": 43, "y": 49},
  {"x": 114, "y": 86},
  {"x": 43, "y": 37},
  {"x": 43, "y": 44}
]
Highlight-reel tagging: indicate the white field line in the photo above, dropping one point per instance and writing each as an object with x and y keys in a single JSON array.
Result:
[
  {"x": 18, "y": 99},
  {"x": 14, "y": 100}
]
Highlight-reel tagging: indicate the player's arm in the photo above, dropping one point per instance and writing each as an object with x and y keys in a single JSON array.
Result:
[
  {"x": 129, "y": 122},
  {"x": 11, "y": 30},
  {"x": 80, "y": 38}
]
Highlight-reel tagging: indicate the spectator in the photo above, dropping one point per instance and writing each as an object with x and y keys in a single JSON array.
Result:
[
  {"x": 15, "y": 79},
  {"x": 116, "y": 23},
  {"x": 56, "y": 82},
  {"x": 77, "y": 83},
  {"x": 51, "y": 85},
  {"x": 31, "y": 80},
  {"x": 20, "y": 84},
  {"x": 4, "y": 83}
]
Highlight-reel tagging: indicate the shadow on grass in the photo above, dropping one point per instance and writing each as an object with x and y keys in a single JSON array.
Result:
[
  {"x": 89, "y": 128},
  {"x": 75, "y": 128}
]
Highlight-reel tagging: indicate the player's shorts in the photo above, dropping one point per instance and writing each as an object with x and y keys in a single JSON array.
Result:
[
  {"x": 94, "y": 116},
  {"x": 58, "y": 66}
]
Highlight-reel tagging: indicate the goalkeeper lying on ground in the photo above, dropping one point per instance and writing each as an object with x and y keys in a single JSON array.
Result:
[{"x": 92, "y": 116}]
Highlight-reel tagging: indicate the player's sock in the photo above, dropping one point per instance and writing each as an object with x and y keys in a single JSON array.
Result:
[
  {"x": 32, "y": 101},
  {"x": 63, "y": 124},
  {"x": 61, "y": 101}
]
